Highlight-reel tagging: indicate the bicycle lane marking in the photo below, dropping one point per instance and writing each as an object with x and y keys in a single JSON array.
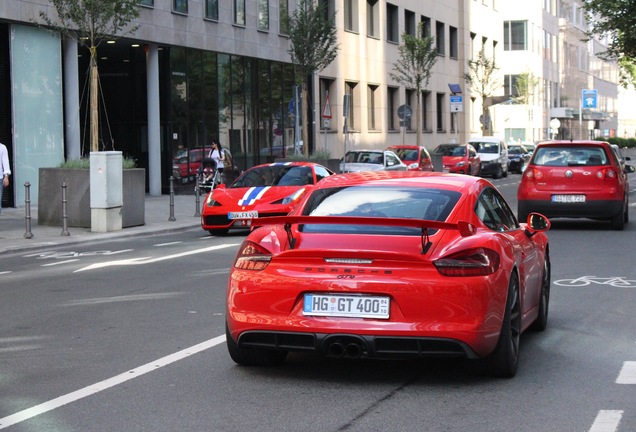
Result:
[
  {"x": 615, "y": 281},
  {"x": 107, "y": 383}
]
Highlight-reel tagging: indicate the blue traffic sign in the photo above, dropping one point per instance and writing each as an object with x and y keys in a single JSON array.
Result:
[{"x": 589, "y": 98}]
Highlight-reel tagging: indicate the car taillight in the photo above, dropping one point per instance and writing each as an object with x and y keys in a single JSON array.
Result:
[
  {"x": 533, "y": 173},
  {"x": 603, "y": 173},
  {"x": 252, "y": 257},
  {"x": 471, "y": 262}
]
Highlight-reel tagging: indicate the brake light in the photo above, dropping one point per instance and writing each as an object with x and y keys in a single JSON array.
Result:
[
  {"x": 471, "y": 262},
  {"x": 609, "y": 173},
  {"x": 533, "y": 173},
  {"x": 252, "y": 257}
]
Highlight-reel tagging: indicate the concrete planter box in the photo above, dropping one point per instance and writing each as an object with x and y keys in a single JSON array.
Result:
[{"x": 78, "y": 197}]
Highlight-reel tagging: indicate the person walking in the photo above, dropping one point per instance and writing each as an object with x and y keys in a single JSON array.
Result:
[
  {"x": 218, "y": 154},
  {"x": 4, "y": 170}
]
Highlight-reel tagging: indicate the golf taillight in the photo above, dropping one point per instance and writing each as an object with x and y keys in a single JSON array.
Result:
[
  {"x": 609, "y": 173},
  {"x": 252, "y": 257},
  {"x": 471, "y": 262}
]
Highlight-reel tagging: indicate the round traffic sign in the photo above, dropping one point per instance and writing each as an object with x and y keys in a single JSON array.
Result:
[{"x": 404, "y": 112}]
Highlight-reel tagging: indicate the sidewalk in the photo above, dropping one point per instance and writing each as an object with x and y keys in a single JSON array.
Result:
[{"x": 13, "y": 225}]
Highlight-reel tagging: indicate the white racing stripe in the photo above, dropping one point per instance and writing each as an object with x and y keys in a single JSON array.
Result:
[
  {"x": 150, "y": 260},
  {"x": 108, "y": 383},
  {"x": 627, "y": 374},
  {"x": 607, "y": 421}
]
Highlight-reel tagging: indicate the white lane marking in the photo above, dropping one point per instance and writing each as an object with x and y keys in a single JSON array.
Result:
[
  {"x": 167, "y": 244},
  {"x": 59, "y": 262},
  {"x": 627, "y": 374},
  {"x": 150, "y": 260},
  {"x": 5, "y": 272},
  {"x": 116, "y": 299},
  {"x": 108, "y": 383},
  {"x": 607, "y": 421}
]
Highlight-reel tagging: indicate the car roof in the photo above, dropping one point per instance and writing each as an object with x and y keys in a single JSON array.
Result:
[
  {"x": 561, "y": 143},
  {"x": 458, "y": 182}
]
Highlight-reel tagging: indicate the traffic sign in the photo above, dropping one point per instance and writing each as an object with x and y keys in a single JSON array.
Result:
[
  {"x": 456, "y": 103},
  {"x": 326, "y": 112},
  {"x": 404, "y": 112},
  {"x": 590, "y": 98}
]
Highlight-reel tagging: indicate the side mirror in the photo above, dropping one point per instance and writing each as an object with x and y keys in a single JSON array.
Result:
[
  {"x": 629, "y": 169},
  {"x": 537, "y": 222}
]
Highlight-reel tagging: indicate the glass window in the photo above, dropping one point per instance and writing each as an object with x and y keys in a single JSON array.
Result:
[
  {"x": 515, "y": 35},
  {"x": 440, "y": 42},
  {"x": 283, "y": 11},
  {"x": 351, "y": 15},
  {"x": 426, "y": 26},
  {"x": 440, "y": 112},
  {"x": 392, "y": 24},
  {"x": 239, "y": 12},
  {"x": 212, "y": 9},
  {"x": 493, "y": 211},
  {"x": 180, "y": 6},
  {"x": 371, "y": 104},
  {"x": 409, "y": 22},
  {"x": 351, "y": 91},
  {"x": 373, "y": 17},
  {"x": 263, "y": 14},
  {"x": 453, "y": 42},
  {"x": 147, "y": 2},
  {"x": 392, "y": 104}
]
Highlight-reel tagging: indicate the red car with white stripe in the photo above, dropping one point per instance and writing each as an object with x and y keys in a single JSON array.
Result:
[{"x": 264, "y": 190}]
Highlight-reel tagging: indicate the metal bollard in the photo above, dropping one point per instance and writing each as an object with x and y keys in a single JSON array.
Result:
[
  {"x": 172, "y": 218},
  {"x": 27, "y": 210},
  {"x": 64, "y": 213},
  {"x": 197, "y": 199}
]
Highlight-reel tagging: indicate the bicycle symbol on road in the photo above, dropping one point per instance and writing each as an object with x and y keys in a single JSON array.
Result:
[{"x": 615, "y": 281}]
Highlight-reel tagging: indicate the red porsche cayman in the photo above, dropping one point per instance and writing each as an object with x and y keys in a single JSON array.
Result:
[
  {"x": 391, "y": 265},
  {"x": 264, "y": 190}
]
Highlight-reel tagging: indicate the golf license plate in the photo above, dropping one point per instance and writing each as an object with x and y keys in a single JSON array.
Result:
[
  {"x": 346, "y": 306},
  {"x": 243, "y": 215},
  {"x": 568, "y": 198}
]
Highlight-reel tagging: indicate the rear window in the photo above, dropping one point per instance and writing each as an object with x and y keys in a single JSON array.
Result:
[
  {"x": 406, "y": 154},
  {"x": 275, "y": 175},
  {"x": 377, "y": 201},
  {"x": 570, "y": 156}
]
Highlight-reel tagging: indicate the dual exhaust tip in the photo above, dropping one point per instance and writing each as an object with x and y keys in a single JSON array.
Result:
[{"x": 344, "y": 347}]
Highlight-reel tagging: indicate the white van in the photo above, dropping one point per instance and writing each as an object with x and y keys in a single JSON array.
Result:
[{"x": 493, "y": 153}]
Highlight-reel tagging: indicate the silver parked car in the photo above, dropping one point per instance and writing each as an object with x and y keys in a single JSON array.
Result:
[{"x": 371, "y": 160}]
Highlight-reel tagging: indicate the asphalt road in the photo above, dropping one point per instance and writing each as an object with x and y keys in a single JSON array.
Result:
[{"x": 128, "y": 335}]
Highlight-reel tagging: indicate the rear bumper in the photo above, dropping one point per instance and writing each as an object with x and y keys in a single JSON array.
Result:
[
  {"x": 598, "y": 209},
  {"x": 355, "y": 346}
]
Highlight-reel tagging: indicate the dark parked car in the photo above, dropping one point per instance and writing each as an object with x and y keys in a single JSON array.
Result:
[{"x": 518, "y": 157}]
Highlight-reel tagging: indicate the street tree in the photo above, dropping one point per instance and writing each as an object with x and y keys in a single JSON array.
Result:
[
  {"x": 482, "y": 79},
  {"x": 413, "y": 69},
  {"x": 312, "y": 47},
  {"x": 614, "y": 20},
  {"x": 526, "y": 85},
  {"x": 90, "y": 23}
]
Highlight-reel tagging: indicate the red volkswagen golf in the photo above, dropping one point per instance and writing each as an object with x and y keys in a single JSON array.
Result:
[{"x": 575, "y": 179}]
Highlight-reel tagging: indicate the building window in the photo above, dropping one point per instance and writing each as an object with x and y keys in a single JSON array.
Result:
[
  {"x": 326, "y": 85},
  {"x": 510, "y": 85},
  {"x": 212, "y": 9},
  {"x": 239, "y": 12},
  {"x": 147, "y": 2},
  {"x": 440, "y": 112},
  {"x": 373, "y": 18},
  {"x": 180, "y": 6},
  {"x": 351, "y": 90},
  {"x": 283, "y": 16},
  {"x": 392, "y": 106},
  {"x": 440, "y": 43},
  {"x": 426, "y": 26},
  {"x": 263, "y": 15},
  {"x": 426, "y": 109},
  {"x": 515, "y": 35},
  {"x": 351, "y": 15},
  {"x": 453, "y": 42},
  {"x": 409, "y": 22},
  {"x": 372, "y": 94},
  {"x": 411, "y": 102},
  {"x": 392, "y": 24}
]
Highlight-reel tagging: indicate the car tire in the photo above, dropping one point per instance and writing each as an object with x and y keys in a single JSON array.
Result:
[
  {"x": 504, "y": 360},
  {"x": 544, "y": 301},
  {"x": 618, "y": 221},
  {"x": 499, "y": 173},
  {"x": 253, "y": 356}
]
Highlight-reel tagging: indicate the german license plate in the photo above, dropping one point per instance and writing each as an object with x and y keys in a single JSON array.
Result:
[
  {"x": 243, "y": 215},
  {"x": 346, "y": 306},
  {"x": 568, "y": 198}
]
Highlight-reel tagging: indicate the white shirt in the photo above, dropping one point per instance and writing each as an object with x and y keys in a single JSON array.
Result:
[
  {"x": 4, "y": 161},
  {"x": 216, "y": 155}
]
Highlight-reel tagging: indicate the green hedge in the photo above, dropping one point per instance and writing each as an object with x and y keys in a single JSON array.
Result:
[{"x": 621, "y": 142}]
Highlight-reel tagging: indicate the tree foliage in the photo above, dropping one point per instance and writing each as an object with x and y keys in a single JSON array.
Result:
[
  {"x": 313, "y": 45},
  {"x": 526, "y": 85},
  {"x": 413, "y": 69},
  {"x": 482, "y": 79},
  {"x": 617, "y": 20}
]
